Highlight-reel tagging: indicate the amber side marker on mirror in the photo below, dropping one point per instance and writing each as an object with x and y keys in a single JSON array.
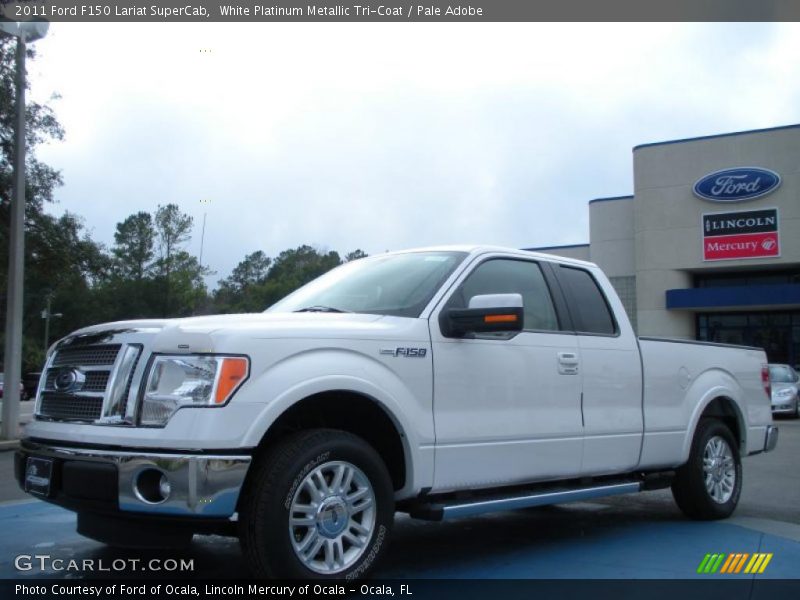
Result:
[{"x": 500, "y": 319}]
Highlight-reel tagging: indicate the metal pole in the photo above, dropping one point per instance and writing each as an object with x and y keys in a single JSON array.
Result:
[
  {"x": 16, "y": 263},
  {"x": 47, "y": 325},
  {"x": 202, "y": 240}
]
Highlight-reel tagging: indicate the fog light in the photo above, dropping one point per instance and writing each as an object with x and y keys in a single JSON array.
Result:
[{"x": 152, "y": 486}]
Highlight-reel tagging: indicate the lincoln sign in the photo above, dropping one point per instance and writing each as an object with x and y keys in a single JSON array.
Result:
[{"x": 742, "y": 234}]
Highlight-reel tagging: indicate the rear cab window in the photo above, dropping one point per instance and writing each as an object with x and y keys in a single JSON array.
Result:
[{"x": 588, "y": 306}]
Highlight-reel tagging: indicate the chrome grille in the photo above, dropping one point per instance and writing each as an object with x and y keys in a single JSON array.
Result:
[
  {"x": 101, "y": 377},
  {"x": 86, "y": 356},
  {"x": 96, "y": 381},
  {"x": 69, "y": 407}
]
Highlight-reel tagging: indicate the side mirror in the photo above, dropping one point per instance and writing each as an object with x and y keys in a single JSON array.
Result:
[{"x": 490, "y": 313}]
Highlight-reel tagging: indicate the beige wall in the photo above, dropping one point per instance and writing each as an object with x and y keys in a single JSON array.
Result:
[
  {"x": 667, "y": 215},
  {"x": 580, "y": 252}
]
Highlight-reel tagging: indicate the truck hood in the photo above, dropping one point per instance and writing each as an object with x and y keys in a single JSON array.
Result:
[{"x": 256, "y": 323}]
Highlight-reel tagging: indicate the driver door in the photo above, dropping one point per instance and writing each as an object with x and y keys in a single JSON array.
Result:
[{"x": 507, "y": 407}]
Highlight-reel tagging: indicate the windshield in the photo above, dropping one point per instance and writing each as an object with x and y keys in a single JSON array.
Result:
[
  {"x": 395, "y": 284},
  {"x": 781, "y": 374}
]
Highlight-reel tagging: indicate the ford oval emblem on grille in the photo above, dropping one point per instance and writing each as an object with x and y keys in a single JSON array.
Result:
[
  {"x": 69, "y": 380},
  {"x": 736, "y": 185}
]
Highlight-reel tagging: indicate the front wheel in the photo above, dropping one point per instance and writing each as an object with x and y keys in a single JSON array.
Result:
[
  {"x": 319, "y": 505},
  {"x": 708, "y": 486}
]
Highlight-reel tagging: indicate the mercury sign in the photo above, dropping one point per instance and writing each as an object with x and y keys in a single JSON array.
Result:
[
  {"x": 741, "y": 234},
  {"x": 737, "y": 185}
]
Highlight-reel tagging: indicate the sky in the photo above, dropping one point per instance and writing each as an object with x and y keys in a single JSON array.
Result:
[{"x": 386, "y": 136}]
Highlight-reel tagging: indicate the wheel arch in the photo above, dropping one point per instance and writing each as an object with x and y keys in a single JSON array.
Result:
[
  {"x": 354, "y": 412},
  {"x": 719, "y": 404}
]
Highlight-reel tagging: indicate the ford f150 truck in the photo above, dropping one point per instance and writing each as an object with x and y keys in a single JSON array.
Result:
[{"x": 441, "y": 382}]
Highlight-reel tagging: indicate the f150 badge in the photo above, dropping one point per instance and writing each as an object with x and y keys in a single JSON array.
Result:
[{"x": 407, "y": 352}]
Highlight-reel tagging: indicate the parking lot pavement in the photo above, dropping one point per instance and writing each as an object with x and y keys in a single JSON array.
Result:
[
  {"x": 636, "y": 536},
  {"x": 580, "y": 540}
]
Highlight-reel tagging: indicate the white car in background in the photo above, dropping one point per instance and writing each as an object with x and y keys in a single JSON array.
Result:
[{"x": 785, "y": 384}]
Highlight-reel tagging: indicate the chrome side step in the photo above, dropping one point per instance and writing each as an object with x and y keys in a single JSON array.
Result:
[{"x": 442, "y": 511}]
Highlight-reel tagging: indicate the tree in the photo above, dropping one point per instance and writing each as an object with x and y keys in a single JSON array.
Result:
[
  {"x": 61, "y": 260},
  {"x": 239, "y": 292},
  {"x": 173, "y": 228},
  {"x": 355, "y": 255},
  {"x": 133, "y": 249}
]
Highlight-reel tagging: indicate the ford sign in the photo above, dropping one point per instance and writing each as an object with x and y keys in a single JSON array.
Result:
[{"x": 736, "y": 185}]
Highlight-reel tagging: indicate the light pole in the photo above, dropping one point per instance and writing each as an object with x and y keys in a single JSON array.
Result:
[
  {"x": 203, "y": 232},
  {"x": 24, "y": 33},
  {"x": 47, "y": 315}
]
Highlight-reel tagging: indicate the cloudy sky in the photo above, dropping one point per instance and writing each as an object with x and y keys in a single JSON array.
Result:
[{"x": 389, "y": 136}]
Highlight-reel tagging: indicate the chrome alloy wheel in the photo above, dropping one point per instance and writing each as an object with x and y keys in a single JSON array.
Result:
[
  {"x": 332, "y": 517},
  {"x": 719, "y": 470}
]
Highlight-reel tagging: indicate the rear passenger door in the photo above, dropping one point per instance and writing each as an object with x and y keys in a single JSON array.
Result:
[
  {"x": 507, "y": 406},
  {"x": 612, "y": 373}
]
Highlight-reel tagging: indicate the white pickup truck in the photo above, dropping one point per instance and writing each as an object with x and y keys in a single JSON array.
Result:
[{"x": 441, "y": 382}]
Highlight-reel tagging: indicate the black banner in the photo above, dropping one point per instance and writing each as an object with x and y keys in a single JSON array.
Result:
[
  {"x": 401, "y": 10},
  {"x": 714, "y": 587},
  {"x": 740, "y": 222}
]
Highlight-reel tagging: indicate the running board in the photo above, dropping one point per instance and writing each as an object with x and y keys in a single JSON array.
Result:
[{"x": 443, "y": 511}]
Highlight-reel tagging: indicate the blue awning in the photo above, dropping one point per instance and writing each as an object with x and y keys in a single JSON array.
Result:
[{"x": 734, "y": 296}]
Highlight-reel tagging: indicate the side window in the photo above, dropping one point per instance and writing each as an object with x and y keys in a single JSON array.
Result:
[
  {"x": 589, "y": 308},
  {"x": 504, "y": 276}
]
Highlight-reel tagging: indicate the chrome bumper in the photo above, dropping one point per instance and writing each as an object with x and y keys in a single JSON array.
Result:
[
  {"x": 771, "y": 439},
  {"x": 200, "y": 485}
]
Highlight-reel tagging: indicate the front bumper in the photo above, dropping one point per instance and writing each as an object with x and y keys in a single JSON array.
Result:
[{"x": 94, "y": 480}]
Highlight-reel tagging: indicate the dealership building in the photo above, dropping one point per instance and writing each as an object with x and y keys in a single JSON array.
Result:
[{"x": 708, "y": 246}]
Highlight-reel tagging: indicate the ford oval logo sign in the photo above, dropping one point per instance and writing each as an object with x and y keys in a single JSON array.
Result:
[{"x": 736, "y": 185}]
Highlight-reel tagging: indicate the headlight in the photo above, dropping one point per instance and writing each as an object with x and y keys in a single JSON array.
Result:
[
  {"x": 785, "y": 393},
  {"x": 190, "y": 380}
]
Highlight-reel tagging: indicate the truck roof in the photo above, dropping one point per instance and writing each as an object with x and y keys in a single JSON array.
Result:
[{"x": 477, "y": 249}]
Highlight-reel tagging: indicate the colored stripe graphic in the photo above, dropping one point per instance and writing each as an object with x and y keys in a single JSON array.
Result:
[
  {"x": 728, "y": 563},
  {"x": 734, "y": 563}
]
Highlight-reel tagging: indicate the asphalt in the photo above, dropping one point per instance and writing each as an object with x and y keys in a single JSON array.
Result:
[{"x": 641, "y": 536}]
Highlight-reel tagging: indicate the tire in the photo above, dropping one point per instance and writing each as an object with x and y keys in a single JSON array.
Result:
[
  {"x": 349, "y": 523},
  {"x": 713, "y": 441}
]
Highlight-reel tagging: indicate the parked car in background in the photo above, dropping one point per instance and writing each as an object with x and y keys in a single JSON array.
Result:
[
  {"x": 30, "y": 381},
  {"x": 785, "y": 385},
  {"x": 22, "y": 395}
]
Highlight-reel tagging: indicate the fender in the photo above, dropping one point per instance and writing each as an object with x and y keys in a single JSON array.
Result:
[
  {"x": 288, "y": 382},
  {"x": 708, "y": 386}
]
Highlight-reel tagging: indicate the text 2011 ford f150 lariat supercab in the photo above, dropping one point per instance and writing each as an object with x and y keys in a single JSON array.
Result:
[{"x": 442, "y": 382}]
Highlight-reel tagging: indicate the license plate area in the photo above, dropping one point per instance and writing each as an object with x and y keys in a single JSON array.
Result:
[{"x": 38, "y": 475}]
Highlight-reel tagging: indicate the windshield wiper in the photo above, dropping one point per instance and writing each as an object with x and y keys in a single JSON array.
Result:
[{"x": 320, "y": 308}]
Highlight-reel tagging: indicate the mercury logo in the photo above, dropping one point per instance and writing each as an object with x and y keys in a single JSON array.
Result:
[{"x": 768, "y": 244}]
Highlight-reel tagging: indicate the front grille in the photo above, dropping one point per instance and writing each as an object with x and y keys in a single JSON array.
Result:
[
  {"x": 85, "y": 402},
  {"x": 87, "y": 356},
  {"x": 96, "y": 381},
  {"x": 70, "y": 407}
]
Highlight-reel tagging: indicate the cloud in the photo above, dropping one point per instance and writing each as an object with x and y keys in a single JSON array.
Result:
[{"x": 392, "y": 135}]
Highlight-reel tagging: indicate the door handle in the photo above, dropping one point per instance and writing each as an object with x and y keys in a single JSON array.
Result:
[{"x": 567, "y": 363}]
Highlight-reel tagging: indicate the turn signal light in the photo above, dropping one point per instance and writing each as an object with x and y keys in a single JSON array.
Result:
[
  {"x": 231, "y": 374},
  {"x": 500, "y": 319}
]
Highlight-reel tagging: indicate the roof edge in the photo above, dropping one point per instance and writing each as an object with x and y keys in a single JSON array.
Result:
[
  {"x": 611, "y": 198},
  {"x": 716, "y": 135},
  {"x": 562, "y": 247}
]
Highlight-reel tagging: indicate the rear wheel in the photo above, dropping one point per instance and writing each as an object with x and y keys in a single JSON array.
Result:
[
  {"x": 708, "y": 486},
  {"x": 320, "y": 504}
]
